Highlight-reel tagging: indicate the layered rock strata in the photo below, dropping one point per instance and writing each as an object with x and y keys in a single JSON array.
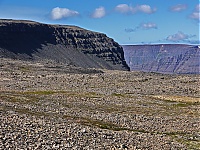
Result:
[
  {"x": 164, "y": 58},
  {"x": 67, "y": 44}
]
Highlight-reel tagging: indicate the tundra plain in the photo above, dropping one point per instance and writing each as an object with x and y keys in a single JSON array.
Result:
[{"x": 44, "y": 105}]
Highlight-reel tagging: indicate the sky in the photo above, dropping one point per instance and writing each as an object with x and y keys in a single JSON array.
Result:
[{"x": 126, "y": 21}]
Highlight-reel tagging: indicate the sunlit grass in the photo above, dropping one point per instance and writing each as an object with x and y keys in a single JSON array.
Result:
[{"x": 175, "y": 98}]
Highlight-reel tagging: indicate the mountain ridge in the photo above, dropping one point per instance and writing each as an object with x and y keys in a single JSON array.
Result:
[
  {"x": 22, "y": 39},
  {"x": 163, "y": 58}
]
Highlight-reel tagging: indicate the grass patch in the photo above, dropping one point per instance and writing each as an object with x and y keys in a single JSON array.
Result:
[
  {"x": 40, "y": 92},
  {"x": 124, "y": 95},
  {"x": 23, "y": 111},
  {"x": 180, "y": 105},
  {"x": 191, "y": 141},
  {"x": 90, "y": 95},
  {"x": 82, "y": 95},
  {"x": 24, "y": 68},
  {"x": 101, "y": 124},
  {"x": 18, "y": 97},
  {"x": 118, "y": 95},
  {"x": 108, "y": 125},
  {"x": 184, "y": 99},
  {"x": 21, "y": 99}
]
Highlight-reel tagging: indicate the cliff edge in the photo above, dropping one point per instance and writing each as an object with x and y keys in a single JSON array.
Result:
[
  {"x": 28, "y": 40},
  {"x": 164, "y": 58}
]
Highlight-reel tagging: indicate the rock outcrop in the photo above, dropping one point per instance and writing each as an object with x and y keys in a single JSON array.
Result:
[
  {"x": 66, "y": 44},
  {"x": 165, "y": 58}
]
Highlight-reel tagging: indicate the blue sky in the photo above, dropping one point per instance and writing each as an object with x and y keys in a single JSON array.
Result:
[{"x": 126, "y": 21}]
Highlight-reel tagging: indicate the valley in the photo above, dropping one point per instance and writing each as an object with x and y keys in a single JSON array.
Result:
[{"x": 65, "y": 87}]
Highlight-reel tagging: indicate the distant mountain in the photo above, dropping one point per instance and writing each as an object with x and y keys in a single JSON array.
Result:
[
  {"x": 163, "y": 58},
  {"x": 71, "y": 45}
]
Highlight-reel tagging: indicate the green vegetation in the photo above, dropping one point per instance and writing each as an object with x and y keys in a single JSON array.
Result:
[
  {"x": 187, "y": 139},
  {"x": 24, "y": 68},
  {"x": 40, "y": 92},
  {"x": 118, "y": 94},
  {"x": 169, "y": 107}
]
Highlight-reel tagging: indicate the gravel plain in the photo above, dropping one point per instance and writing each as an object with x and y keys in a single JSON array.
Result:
[{"x": 44, "y": 105}]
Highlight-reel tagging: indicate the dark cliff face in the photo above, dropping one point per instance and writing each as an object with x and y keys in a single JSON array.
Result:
[
  {"x": 166, "y": 58},
  {"x": 68, "y": 44}
]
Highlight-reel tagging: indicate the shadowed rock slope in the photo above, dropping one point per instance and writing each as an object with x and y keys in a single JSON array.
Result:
[
  {"x": 28, "y": 40},
  {"x": 164, "y": 58}
]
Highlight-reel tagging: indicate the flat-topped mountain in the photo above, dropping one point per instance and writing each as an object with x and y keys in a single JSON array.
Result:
[
  {"x": 61, "y": 43},
  {"x": 163, "y": 58}
]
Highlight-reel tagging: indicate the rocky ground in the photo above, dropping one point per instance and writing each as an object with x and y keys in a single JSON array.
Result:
[{"x": 50, "y": 106}]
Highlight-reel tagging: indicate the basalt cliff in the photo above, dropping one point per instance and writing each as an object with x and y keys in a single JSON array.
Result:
[
  {"x": 70, "y": 45},
  {"x": 164, "y": 58}
]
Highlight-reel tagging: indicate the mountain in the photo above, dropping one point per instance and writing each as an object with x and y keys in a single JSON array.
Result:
[
  {"x": 75, "y": 46},
  {"x": 163, "y": 58}
]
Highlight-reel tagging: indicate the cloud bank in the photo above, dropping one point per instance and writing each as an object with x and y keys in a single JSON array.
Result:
[
  {"x": 60, "y": 13},
  {"x": 124, "y": 8},
  {"x": 179, "y": 36},
  {"x": 143, "y": 26}
]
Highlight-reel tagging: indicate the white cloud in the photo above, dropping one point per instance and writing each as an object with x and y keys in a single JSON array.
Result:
[
  {"x": 145, "y": 9},
  {"x": 143, "y": 26},
  {"x": 179, "y": 36},
  {"x": 60, "y": 13},
  {"x": 148, "y": 25},
  {"x": 99, "y": 12},
  {"x": 178, "y": 8},
  {"x": 196, "y": 14},
  {"x": 124, "y": 8}
]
